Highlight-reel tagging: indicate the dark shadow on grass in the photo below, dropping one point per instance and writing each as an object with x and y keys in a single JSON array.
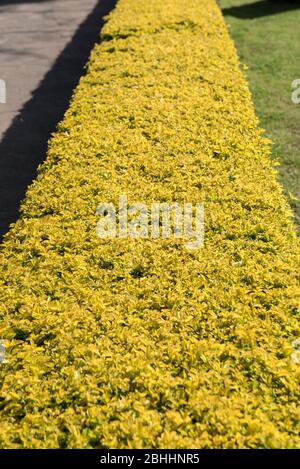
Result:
[
  {"x": 24, "y": 144},
  {"x": 261, "y": 8}
]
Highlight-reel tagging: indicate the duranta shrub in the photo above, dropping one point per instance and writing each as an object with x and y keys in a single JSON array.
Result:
[{"x": 142, "y": 343}]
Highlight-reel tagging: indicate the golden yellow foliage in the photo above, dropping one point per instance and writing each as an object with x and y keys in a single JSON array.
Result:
[{"x": 195, "y": 351}]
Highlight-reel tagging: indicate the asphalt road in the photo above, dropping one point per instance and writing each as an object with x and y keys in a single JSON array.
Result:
[{"x": 44, "y": 45}]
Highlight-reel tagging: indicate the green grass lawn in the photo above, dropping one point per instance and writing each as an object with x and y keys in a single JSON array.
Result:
[{"x": 267, "y": 36}]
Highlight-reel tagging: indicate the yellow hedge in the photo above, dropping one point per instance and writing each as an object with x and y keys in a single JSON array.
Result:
[{"x": 195, "y": 350}]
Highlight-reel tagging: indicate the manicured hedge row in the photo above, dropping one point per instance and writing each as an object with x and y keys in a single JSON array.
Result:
[{"x": 144, "y": 343}]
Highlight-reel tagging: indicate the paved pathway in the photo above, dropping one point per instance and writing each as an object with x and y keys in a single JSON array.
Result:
[{"x": 44, "y": 45}]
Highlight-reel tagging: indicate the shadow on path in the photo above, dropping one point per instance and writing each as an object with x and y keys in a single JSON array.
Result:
[
  {"x": 261, "y": 8},
  {"x": 19, "y": 2},
  {"x": 24, "y": 144}
]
